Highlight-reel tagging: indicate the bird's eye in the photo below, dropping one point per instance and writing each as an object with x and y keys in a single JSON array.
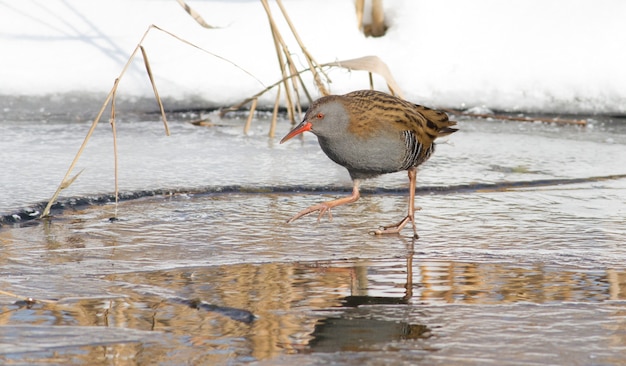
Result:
[{"x": 320, "y": 115}]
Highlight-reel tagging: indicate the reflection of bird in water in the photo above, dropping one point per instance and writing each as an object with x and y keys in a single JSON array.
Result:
[
  {"x": 355, "y": 329},
  {"x": 372, "y": 133}
]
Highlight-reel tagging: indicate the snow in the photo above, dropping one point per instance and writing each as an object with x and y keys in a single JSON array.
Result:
[{"x": 519, "y": 55}]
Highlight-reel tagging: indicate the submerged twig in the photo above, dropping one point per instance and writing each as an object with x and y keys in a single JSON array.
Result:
[{"x": 27, "y": 300}]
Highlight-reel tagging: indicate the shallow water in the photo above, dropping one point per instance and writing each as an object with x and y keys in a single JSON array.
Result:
[{"x": 503, "y": 274}]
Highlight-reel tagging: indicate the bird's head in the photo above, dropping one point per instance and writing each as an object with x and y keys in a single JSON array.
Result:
[{"x": 325, "y": 116}]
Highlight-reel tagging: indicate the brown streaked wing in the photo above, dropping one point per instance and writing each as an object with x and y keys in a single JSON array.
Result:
[{"x": 374, "y": 108}]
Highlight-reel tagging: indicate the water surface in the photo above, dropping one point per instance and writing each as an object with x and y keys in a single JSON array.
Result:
[{"x": 204, "y": 270}]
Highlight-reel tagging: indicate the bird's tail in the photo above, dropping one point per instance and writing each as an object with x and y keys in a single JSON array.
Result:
[{"x": 437, "y": 122}]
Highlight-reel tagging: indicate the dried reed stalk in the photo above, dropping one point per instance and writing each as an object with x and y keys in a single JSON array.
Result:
[
  {"x": 246, "y": 128},
  {"x": 289, "y": 73},
  {"x": 67, "y": 181},
  {"x": 154, "y": 88},
  {"x": 296, "y": 90},
  {"x": 275, "y": 114},
  {"x": 313, "y": 65},
  {"x": 563, "y": 121},
  {"x": 372, "y": 64},
  {"x": 378, "y": 27},
  {"x": 360, "y": 9},
  {"x": 114, "y": 132},
  {"x": 194, "y": 14},
  {"x": 281, "y": 51}
]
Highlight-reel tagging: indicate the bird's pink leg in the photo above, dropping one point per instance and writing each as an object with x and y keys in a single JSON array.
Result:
[
  {"x": 395, "y": 229},
  {"x": 326, "y": 206}
]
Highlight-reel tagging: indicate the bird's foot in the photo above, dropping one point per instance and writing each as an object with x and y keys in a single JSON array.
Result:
[
  {"x": 325, "y": 207},
  {"x": 321, "y": 207},
  {"x": 395, "y": 229}
]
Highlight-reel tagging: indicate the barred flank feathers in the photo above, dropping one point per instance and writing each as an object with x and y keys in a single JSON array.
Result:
[{"x": 419, "y": 125}]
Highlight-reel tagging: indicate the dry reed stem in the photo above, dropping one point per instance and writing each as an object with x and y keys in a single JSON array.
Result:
[
  {"x": 281, "y": 49},
  {"x": 154, "y": 88},
  {"x": 246, "y": 128},
  {"x": 203, "y": 50},
  {"x": 67, "y": 181},
  {"x": 275, "y": 114},
  {"x": 564, "y": 121},
  {"x": 372, "y": 64},
  {"x": 114, "y": 132},
  {"x": 285, "y": 61},
  {"x": 294, "y": 82},
  {"x": 360, "y": 9},
  {"x": 378, "y": 27},
  {"x": 64, "y": 183},
  {"x": 304, "y": 88},
  {"x": 194, "y": 14},
  {"x": 238, "y": 106},
  {"x": 313, "y": 65}
]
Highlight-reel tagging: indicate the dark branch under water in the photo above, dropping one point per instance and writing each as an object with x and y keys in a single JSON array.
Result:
[{"x": 32, "y": 213}]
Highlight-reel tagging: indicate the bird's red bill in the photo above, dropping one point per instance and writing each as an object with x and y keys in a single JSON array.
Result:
[{"x": 302, "y": 127}]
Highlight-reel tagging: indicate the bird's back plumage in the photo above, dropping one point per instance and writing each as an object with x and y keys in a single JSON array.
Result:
[{"x": 372, "y": 112}]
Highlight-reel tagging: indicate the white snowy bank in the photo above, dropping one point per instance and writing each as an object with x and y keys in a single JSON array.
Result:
[{"x": 517, "y": 55}]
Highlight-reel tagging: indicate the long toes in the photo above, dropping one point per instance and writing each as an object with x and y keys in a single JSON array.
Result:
[
  {"x": 298, "y": 215},
  {"x": 294, "y": 218},
  {"x": 323, "y": 210},
  {"x": 385, "y": 230}
]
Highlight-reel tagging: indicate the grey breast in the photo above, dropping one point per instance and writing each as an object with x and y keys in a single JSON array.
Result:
[{"x": 367, "y": 157}]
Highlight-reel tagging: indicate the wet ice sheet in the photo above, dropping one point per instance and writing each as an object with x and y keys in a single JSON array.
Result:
[
  {"x": 579, "y": 224},
  {"x": 497, "y": 275},
  {"x": 36, "y": 156},
  {"x": 492, "y": 277}
]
